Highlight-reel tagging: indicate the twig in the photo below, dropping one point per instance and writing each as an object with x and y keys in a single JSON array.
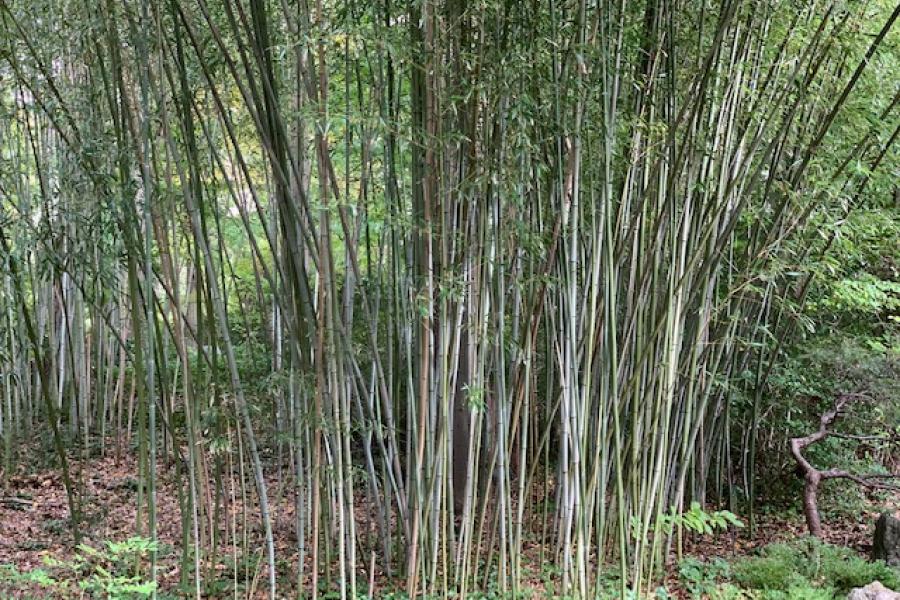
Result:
[{"x": 16, "y": 500}]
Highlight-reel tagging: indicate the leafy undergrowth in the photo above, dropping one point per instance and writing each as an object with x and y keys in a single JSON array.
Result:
[
  {"x": 805, "y": 569},
  {"x": 114, "y": 571}
]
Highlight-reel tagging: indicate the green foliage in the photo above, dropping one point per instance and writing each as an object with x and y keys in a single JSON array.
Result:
[
  {"x": 475, "y": 397},
  {"x": 699, "y": 578},
  {"x": 729, "y": 591},
  {"x": 112, "y": 572},
  {"x": 856, "y": 284},
  {"x": 797, "y": 591},
  {"x": 694, "y": 519},
  {"x": 17, "y": 584},
  {"x": 866, "y": 295},
  {"x": 806, "y": 569},
  {"x": 767, "y": 572},
  {"x": 698, "y": 520},
  {"x": 803, "y": 387},
  {"x": 809, "y": 564},
  {"x": 704, "y": 141}
]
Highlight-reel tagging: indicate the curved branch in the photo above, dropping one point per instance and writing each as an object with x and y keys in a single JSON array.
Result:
[
  {"x": 871, "y": 480},
  {"x": 813, "y": 476}
]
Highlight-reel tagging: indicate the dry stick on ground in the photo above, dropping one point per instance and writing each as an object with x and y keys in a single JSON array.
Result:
[{"x": 814, "y": 476}]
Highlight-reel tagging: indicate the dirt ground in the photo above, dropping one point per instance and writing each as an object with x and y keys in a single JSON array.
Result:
[{"x": 34, "y": 525}]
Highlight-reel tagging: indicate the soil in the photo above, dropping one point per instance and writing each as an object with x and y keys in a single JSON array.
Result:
[{"x": 34, "y": 525}]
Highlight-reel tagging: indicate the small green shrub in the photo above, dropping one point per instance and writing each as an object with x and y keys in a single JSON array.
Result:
[
  {"x": 806, "y": 567},
  {"x": 17, "y": 584},
  {"x": 799, "y": 591},
  {"x": 846, "y": 570},
  {"x": 729, "y": 591},
  {"x": 701, "y": 578},
  {"x": 767, "y": 573},
  {"x": 694, "y": 519},
  {"x": 111, "y": 571}
]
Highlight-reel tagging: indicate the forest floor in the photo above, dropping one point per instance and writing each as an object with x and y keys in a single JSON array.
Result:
[{"x": 34, "y": 526}]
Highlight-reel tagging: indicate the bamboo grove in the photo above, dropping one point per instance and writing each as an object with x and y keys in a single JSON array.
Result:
[{"x": 478, "y": 286}]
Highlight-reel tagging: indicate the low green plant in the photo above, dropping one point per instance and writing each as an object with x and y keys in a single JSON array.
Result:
[
  {"x": 729, "y": 591},
  {"x": 112, "y": 572},
  {"x": 700, "y": 578},
  {"x": 18, "y": 584},
  {"x": 806, "y": 567},
  {"x": 770, "y": 571},
  {"x": 845, "y": 569},
  {"x": 662, "y": 593},
  {"x": 694, "y": 519},
  {"x": 698, "y": 520},
  {"x": 798, "y": 591}
]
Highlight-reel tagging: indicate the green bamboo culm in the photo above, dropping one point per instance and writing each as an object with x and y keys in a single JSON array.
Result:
[{"x": 449, "y": 280}]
